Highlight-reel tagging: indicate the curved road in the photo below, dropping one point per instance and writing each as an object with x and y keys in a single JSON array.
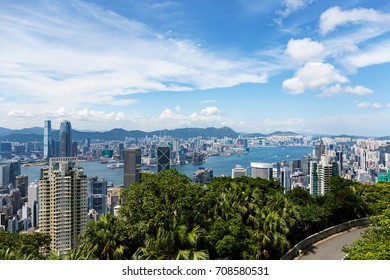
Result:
[{"x": 331, "y": 248}]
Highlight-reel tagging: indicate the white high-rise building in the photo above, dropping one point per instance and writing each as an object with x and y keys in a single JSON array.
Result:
[
  {"x": 262, "y": 170},
  {"x": 285, "y": 178},
  {"x": 32, "y": 202},
  {"x": 47, "y": 139},
  {"x": 238, "y": 171},
  {"x": 62, "y": 203}
]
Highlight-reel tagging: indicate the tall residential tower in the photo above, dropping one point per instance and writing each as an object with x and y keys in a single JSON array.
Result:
[{"x": 62, "y": 203}]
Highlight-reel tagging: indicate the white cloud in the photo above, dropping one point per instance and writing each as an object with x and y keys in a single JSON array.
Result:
[
  {"x": 331, "y": 91},
  {"x": 97, "y": 116},
  {"x": 358, "y": 90},
  {"x": 313, "y": 75},
  {"x": 71, "y": 53},
  {"x": 207, "y": 114},
  {"x": 364, "y": 104},
  {"x": 338, "y": 89},
  {"x": 335, "y": 17},
  {"x": 304, "y": 50},
  {"x": 211, "y": 116},
  {"x": 291, "y": 6},
  {"x": 208, "y": 101},
  {"x": 375, "y": 105},
  {"x": 376, "y": 54},
  {"x": 168, "y": 113},
  {"x": 20, "y": 114},
  {"x": 210, "y": 111},
  {"x": 59, "y": 113}
]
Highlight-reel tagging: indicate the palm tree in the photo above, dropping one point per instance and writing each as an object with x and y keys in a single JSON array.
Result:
[
  {"x": 7, "y": 254},
  {"x": 175, "y": 242},
  {"x": 104, "y": 238},
  {"x": 271, "y": 225}
]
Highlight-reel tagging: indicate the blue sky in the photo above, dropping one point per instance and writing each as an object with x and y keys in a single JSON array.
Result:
[{"x": 307, "y": 66}]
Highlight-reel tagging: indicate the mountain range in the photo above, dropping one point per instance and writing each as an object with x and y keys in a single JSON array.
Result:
[{"x": 36, "y": 134}]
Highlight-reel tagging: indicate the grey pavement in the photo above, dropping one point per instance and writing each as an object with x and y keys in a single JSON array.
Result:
[{"x": 331, "y": 247}]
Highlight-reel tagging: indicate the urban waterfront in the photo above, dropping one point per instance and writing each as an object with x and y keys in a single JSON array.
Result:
[{"x": 221, "y": 165}]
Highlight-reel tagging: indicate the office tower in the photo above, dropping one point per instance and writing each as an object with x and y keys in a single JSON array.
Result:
[
  {"x": 319, "y": 150},
  {"x": 326, "y": 170},
  {"x": 75, "y": 151},
  {"x": 21, "y": 183},
  {"x": 202, "y": 176},
  {"x": 163, "y": 157},
  {"x": 262, "y": 170},
  {"x": 13, "y": 225},
  {"x": 97, "y": 195},
  {"x": 20, "y": 149},
  {"x": 296, "y": 165},
  {"x": 25, "y": 217},
  {"x": 285, "y": 178},
  {"x": 14, "y": 199},
  {"x": 298, "y": 179},
  {"x": 62, "y": 203},
  {"x": 113, "y": 194},
  {"x": 121, "y": 148},
  {"x": 47, "y": 152},
  {"x": 4, "y": 178},
  {"x": 314, "y": 180},
  {"x": 6, "y": 150},
  {"x": 132, "y": 167},
  {"x": 305, "y": 164},
  {"x": 65, "y": 139},
  {"x": 182, "y": 156},
  {"x": 339, "y": 159},
  {"x": 14, "y": 170},
  {"x": 32, "y": 202},
  {"x": 238, "y": 171},
  {"x": 55, "y": 148}
]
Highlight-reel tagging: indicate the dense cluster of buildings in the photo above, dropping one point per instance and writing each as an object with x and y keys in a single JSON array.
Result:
[{"x": 64, "y": 198}]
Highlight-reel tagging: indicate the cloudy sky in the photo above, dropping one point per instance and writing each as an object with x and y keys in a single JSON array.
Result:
[{"x": 307, "y": 66}]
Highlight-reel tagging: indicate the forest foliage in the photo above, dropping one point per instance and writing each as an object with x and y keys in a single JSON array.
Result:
[{"x": 166, "y": 217}]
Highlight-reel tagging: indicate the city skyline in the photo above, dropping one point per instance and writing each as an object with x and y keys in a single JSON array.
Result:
[{"x": 312, "y": 67}]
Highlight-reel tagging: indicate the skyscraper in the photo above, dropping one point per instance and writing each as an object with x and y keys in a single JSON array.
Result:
[
  {"x": 47, "y": 139},
  {"x": 62, "y": 203},
  {"x": 65, "y": 139},
  {"x": 262, "y": 170},
  {"x": 238, "y": 171},
  {"x": 32, "y": 202},
  {"x": 163, "y": 157},
  {"x": 314, "y": 178},
  {"x": 132, "y": 166},
  {"x": 202, "y": 176},
  {"x": 97, "y": 195}
]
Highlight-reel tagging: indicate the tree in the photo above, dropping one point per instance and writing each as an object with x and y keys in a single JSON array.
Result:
[
  {"x": 375, "y": 244},
  {"x": 23, "y": 246},
  {"x": 271, "y": 226},
  {"x": 341, "y": 203},
  {"x": 164, "y": 216},
  {"x": 103, "y": 239}
]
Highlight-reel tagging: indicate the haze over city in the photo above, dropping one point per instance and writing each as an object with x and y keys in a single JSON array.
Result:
[{"x": 306, "y": 66}]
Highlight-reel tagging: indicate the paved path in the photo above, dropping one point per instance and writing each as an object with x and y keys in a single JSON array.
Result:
[{"x": 331, "y": 247}]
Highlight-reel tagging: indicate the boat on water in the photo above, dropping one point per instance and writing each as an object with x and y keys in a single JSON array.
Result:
[
  {"x": 115, "y": 164},
  {"x": 288, "y": 156}
]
